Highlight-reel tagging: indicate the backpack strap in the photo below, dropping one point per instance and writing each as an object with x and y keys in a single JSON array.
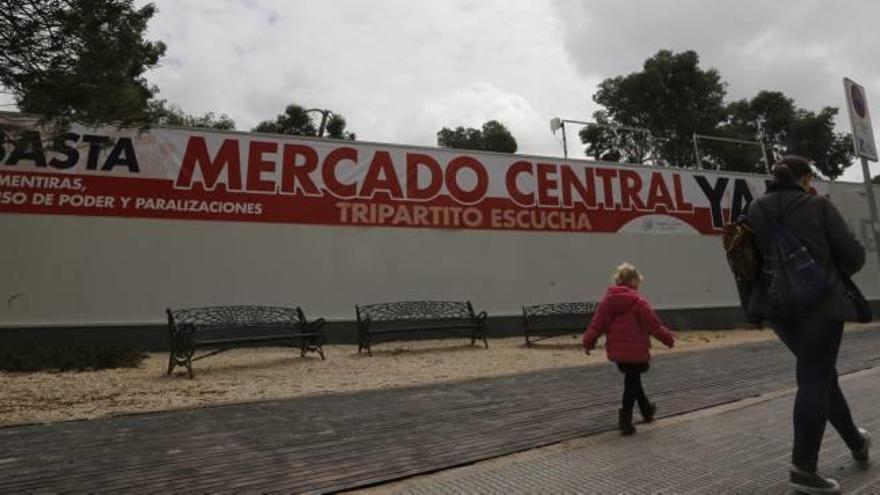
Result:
[
  {"x": 797, "y": 203},
  {"x": 794, "y": 205},
  {"x": 832, "y": 260}
]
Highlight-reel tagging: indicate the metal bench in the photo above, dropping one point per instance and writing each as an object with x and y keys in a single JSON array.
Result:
[
  {"x": 221, "y": 328},
  {"x": 385, "y": 322},
  {"x": 553, "y": 320}
]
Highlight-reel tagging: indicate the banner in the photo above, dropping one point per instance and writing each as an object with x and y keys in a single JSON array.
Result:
[{"x": 229, "y": 176}]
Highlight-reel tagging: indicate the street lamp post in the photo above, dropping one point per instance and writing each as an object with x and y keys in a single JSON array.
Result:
[
  {"x": 324, "y": 117},
  {"x": 555, "y": 124}
]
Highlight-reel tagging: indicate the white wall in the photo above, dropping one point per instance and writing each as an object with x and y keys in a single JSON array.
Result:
[{"x": 88, "y": 270}]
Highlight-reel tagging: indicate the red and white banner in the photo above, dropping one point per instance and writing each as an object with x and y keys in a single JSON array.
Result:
[{"x": 229, "y": 176}]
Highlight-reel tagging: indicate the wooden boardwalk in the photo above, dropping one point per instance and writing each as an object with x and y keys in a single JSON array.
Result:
[{"x": 343, "y": 441}]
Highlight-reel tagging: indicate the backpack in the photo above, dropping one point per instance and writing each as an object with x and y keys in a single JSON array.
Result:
[
  {"x": 738, "y": 240},
  {"x": 790, "y": 276}
]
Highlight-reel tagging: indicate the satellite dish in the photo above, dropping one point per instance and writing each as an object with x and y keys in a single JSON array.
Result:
[{"x": 555, "y": 124}]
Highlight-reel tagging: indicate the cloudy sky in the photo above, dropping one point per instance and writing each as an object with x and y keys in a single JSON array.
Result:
[{"x": 399, "y": 70}]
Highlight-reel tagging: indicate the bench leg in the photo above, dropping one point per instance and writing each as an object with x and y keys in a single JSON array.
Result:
[
  {"x": 319, "y": 349},
  {"x": 182, "y": 349},
  {"x": 365, "y": 345},
  {"x": 170, "y": 363}
]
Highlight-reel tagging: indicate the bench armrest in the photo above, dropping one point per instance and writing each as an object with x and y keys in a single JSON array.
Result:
[{"x": 315, "y": 325}]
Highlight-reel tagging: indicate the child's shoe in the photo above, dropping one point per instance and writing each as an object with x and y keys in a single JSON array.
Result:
[
  {"x": 625, "y": 419},
  {"x": 648, "y": 411}
]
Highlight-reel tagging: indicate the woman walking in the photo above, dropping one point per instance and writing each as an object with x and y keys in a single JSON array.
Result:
[{"x": 813, "y": 331}]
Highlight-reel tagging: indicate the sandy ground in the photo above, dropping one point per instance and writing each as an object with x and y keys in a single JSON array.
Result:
[{"x": 242, "y": 375}]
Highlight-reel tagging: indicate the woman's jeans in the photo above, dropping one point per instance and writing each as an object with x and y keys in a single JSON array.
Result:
[{"x": 815, "y": 342}]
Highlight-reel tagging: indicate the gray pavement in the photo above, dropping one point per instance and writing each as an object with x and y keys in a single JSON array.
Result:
[
  {"x": 335, "y": 442},
  {"x": 739, "y": 448}
]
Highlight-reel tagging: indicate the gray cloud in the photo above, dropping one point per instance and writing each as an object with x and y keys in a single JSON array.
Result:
[
  {"x": 802, "y": 48},
  {"x": 399, "y": 70}
]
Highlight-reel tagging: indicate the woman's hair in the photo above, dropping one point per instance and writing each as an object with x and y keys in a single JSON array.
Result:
[
  {"x": 790, "y": 169},
  {"x": 626, "y": 274}
]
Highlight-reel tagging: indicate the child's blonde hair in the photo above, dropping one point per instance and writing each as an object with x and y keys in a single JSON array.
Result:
[{"x": 626, "y": 274}]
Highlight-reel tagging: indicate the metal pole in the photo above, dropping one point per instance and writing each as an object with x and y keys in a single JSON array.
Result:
[
  {"x": 323, "y": 122},
  {"x": 564, "y": 142},
  {"x": 697, "y": 152},
  {"x": 764, "y": 157},
  {"x": 872, "y": 206},
  {"x": 324, "y": 113}
]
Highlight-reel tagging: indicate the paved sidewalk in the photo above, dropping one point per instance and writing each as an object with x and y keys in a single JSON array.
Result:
[
  {"x": 742, "y": 448},
  {"x": 344, "y": 441}
]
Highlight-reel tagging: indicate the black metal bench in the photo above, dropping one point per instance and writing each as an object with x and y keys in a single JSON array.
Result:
[
  {"x": 553, "y": 320},
  {"x": 220, "y": 328},
  {"x": 384, "y": 322}
]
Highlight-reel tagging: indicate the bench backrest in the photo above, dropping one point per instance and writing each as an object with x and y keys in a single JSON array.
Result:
[
  {"x": 415, "y": 310},
  {"x": 555, "y": 313},
  {"x": 219, "y": 317}
]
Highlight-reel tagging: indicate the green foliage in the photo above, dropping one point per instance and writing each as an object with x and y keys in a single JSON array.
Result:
[
  {"x": 296, "y": 121},
  {"x": 496, "y": 137},
  {"x": 64, "y": 358},
  {"x": 79, "y": 60},
  {"x": 492, "y": 137},
  {"x": 673, "y": 98},
  {"x": 812, "y": 135},
  {"x": 787, "y": 129},
  {"x": 336, "y": 128},
  {"x": 460, "y": 138},
  {"x": 174, "y": 115}
]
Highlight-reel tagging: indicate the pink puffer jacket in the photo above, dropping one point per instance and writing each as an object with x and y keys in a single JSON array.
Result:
[{"x": 628, "y": 320}]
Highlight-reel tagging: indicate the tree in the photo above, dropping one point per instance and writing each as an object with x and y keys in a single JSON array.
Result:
[
  {"x": 336, "y": 128},
  {"x": 494, "y": 136},
  {"x": 812, "y": 135},
  {"x": 671, "y": 97},
  {"x": 460, "y": 138},
  {"x": 79, "y": 60},
  {"x": 786, "y": 129},
  {"x": 296, "y": 121},
  {"x": 174, "y": 115}
]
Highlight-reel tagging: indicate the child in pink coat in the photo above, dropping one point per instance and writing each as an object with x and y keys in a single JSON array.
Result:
[{"x": 628, "y": 322}]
